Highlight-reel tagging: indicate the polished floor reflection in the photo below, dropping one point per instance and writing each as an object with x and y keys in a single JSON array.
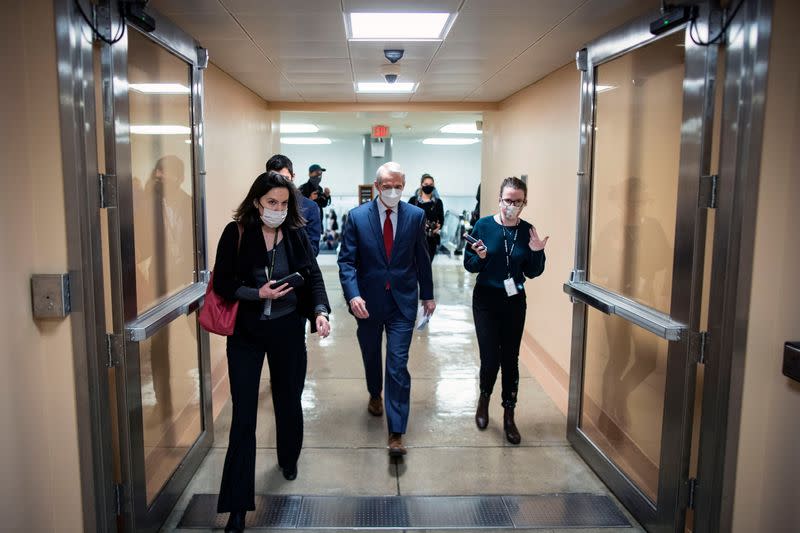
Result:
[{"x": 344, "y": 451}]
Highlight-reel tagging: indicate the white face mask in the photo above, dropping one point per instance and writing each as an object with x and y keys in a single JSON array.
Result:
[
  {"x": 510, "y": 212},
  {"x": 391, "y": 197},
  {"x": 273, "y": 219}
]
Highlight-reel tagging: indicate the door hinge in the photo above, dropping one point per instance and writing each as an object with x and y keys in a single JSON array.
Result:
[
  {"x": 698, "y": 341},
  {"x": 115, "y": 345},
  {"x": 691, "y": 492},
  {"x": 119, "y": 498},
  {"x": 108, "y": 190},
  {"x": 708, "y": 191}
]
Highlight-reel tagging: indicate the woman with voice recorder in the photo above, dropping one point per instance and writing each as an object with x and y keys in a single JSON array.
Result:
[
  {"x": 503, "y": 250},
  {"x": 265, "y": 261}
]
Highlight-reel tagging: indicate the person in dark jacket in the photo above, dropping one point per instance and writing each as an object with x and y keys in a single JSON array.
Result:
[
  {"x": 266, "y": 242},
  {"x": 427, "y": 198},
  {"x": 508, "y": 251},
  {"x": 308, "y": 209}
]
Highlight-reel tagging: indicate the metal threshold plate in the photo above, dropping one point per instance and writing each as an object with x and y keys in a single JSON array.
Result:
[{"x": 415, "y": 512}]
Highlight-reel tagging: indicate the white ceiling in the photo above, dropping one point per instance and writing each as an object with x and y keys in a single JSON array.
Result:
[{"x": 297, "y": 50}]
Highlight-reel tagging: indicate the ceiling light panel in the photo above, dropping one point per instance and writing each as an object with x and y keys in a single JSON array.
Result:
[
  {"x": 299, "y": 128},
  {"x": 305, "y": 140},
  {"x": 386, "y": 88},
  {"x": 465, "y": 127},
  {"x": 450, "y": 141},
  {"x": 398, "y": 26},
  {"x": 160, "y": 129}
]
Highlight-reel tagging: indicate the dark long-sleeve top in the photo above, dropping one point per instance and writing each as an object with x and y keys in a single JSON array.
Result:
[
  {"x": 493, "y": 270},
  {"x": 434, "y": 209},
  {"x": 234, "y": 274}
]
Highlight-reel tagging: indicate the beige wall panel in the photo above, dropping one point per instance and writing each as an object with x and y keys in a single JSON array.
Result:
[
  {"x": 239, "y": 139},
  {"x": 535, "y": 132},
  {"x": 41, "y": 488},
  {"x": 768, "y": 469}
]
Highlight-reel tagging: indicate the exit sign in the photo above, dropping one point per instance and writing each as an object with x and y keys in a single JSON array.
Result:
[{"x": 379, "y": 132}]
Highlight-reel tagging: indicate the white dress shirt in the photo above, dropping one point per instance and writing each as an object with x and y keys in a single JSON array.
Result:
[{"x": 382, "y": 212}]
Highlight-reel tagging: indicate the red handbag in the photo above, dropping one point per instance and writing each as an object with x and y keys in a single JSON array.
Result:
[{"x": 217, "y": 314}]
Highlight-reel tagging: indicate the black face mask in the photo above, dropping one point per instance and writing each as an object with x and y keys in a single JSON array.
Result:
[
  {"x": 427, "y": 189},
  {"x": 315, "y": 180}
]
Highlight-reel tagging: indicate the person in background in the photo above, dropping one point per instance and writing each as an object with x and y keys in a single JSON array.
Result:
[
  {"x": 310, "y": 212},
  {"x": 385, "y": 271},
  {"x": 427, "y": 198},
  {"x": 312, "y": 189},
  {"x": 264, "y": 243},
  {"x": 508, "y": 251}
]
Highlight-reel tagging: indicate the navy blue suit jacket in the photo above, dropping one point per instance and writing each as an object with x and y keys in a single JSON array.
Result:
[
  {"x": 364, "y": 268},
  {"x": 310, "y": 211}
]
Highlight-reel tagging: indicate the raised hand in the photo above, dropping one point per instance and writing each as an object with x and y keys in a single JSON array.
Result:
[{"x": 536, "y": 244}]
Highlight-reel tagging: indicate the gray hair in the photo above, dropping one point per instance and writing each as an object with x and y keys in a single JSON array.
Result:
[{"x": 390, "y": 168}]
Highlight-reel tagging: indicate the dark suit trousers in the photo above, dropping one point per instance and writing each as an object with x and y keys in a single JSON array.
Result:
[
  {"x": 399, "y": 331},
  {"x": 283, "y": 340}
]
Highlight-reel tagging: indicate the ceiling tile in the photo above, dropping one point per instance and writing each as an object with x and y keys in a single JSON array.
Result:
[
  {"x": 320, "y": 90},
  {"x": 209, "y": 26},
  {"x": 412, "y": 51},
  {"x": 312, "y": 7},
  {"x": 328, "y": 78},
  {"x": 404, "y": 6},
  {"x": 236, "y": 56},
  {"x": 275, "y": 27},
  {"x": 170, "y": 7}
]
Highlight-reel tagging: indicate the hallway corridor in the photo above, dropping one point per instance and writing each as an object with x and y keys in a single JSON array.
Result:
[{"x": 344, "y": 449}]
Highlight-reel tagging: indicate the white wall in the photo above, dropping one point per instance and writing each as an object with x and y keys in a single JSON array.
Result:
[{"x": 457, "y": 169}]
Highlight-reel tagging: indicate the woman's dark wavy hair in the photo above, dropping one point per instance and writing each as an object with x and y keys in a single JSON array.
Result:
[
  {"x": 247, "y": 212},
  {"x": 515, "y": 183}
]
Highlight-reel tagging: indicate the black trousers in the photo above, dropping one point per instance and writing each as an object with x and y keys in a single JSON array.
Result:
[
  {"x": 499, "y": 322},
  {"x": 283, "y": 340}
]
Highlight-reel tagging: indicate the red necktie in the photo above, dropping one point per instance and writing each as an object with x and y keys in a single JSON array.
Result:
[{"x": 388, "y": 234}]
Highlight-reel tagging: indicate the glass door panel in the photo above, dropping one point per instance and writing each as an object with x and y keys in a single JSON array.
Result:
[
  {"x": 171, "y": 410},
  {"x": 623, "y": 396},
  {"x": 161, "y": 164},
  {"x": 637, "y": 141}
]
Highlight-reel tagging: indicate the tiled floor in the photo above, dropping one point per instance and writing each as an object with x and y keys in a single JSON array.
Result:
[{"x": 344, "y": 449}]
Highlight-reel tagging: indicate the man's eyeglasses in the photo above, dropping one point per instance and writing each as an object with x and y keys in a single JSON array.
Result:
[{"x": 508, "y": 202}]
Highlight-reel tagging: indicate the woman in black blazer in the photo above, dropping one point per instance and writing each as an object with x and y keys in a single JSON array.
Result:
[
  {"x": 427, "y": 199},
  {"x": 266, "y": 241}
]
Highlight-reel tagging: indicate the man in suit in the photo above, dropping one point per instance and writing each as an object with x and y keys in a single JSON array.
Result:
[
  {"x": 385, "y": 270},
  {"x": 283, "y": 166}
]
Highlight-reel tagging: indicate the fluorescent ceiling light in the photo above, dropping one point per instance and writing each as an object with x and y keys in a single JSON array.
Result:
[
  {"x": 383, "y": 87},
  {"x": 160, "y": 129},
  {"x": 468, "y": 127},
  {"x": 305, "y": 140},
  {"x": 604, "y": 88},
  {"x": 299, "y": 128},
  {"x": 159, "y": 88},
  {"x": 398, "y": 26},
  {"x": 450, "y": 141}
]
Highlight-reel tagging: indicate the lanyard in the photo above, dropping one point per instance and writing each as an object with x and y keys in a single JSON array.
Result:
[
  {"x": 269, "y": 271},
  {"x": 509, "y": 252}
]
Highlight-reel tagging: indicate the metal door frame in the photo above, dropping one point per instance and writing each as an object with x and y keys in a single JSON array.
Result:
[
  {"x": 130, "y": 326},
  {"x": 681, "y": 326}
]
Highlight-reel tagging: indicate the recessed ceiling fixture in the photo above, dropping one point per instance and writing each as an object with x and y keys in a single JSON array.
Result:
[
  {"x": 398, "y": 26},
  {"x": 160, "y": 129},
  {"x": 299, "y": 128},
  {"x": 159, "y": 88},
  {"x": 305, "y": 140},
  {"x": 450, "y": 141},
  {"x": 382, "y": 87},
  {"x": 467, "y": 127}
]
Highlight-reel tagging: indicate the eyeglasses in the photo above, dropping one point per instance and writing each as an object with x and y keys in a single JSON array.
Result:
[{"x": 509, "y": 202}]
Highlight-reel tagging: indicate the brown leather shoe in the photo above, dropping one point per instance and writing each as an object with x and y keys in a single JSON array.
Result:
[
  {"x": 396, "y": 448},
  {"x": 375, "y": 406}
]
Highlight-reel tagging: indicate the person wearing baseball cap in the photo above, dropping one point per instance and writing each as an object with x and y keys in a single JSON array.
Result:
[{"x": 311, "y": 189}]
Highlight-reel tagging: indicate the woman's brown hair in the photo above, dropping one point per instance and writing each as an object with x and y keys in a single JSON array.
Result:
[
  {"x": 515, "y": 183},
  {"x": 247, "y": 212}
]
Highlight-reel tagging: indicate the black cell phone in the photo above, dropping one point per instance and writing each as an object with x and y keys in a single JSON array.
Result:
[
  {"x": 294, "y": 280},
  {"x": 470, "y": 239}
]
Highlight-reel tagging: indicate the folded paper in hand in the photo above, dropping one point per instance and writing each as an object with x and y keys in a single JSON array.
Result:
[{"x": 422, "y": 318}]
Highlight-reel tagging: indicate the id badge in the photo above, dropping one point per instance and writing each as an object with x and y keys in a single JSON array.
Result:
[{"x": 511, "y": 287}]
